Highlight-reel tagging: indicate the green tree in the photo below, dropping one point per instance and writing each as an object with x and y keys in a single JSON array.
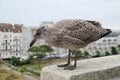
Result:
[
  {"x": 30, "y": 59},
  {"x": 73, "y": 52},
  {"x": 98, "y": 54},
  {"x": 39, "y": 52},
  {"x": 79, "y": 52},
  {"x": 107, "y": 53},
  {"x": 15, "y": 61},
  {"x": 118, "y": 46},
  {"x": 86, "y": 53},
  {"x": 35, "y": 49},
  {"x": 114, "y": 51},
  {"x": 47, "y": 48}
]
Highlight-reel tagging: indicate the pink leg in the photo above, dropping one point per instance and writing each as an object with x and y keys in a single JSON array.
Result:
[
  {"x": 67, "y": 64},
  {"x": 72, "y": 67}
]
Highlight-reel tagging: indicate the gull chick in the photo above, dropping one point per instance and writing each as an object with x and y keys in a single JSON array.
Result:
[{"x": 71, "y": 34}]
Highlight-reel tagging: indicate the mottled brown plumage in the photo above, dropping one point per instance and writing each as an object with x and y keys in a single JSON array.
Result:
[{"x": 71, "y": 34}]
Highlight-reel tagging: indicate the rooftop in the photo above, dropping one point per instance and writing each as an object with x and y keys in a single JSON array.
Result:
[{"x": 6, "y": 27}]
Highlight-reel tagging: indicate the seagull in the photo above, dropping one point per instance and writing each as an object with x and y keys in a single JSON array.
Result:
[{"x": 71, "y": 34}]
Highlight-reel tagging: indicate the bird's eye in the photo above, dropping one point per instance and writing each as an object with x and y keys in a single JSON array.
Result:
[{"x": 37, "y": 33}]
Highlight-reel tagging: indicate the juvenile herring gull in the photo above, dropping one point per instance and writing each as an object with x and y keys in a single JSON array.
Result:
[{"x": 71, "y": 34}]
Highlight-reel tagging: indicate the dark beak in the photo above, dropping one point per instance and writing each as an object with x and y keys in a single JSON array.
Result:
[
  {"x": 32, "y": 42},
  {"x": 109, "y": 30}
]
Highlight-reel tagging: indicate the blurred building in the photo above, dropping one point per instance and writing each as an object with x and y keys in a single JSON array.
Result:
[
  {"x": 10, "y": 40},
  {"x": 47, "y": 23},
  {"x": 104, "y": 44},
  {"x": 26, "y": 38}
]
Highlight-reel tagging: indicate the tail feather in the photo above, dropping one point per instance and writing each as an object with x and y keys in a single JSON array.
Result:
[{"x": 94, "y": 23}]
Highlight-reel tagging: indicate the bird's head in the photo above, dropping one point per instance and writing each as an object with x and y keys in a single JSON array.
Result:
[{"x": 38, "y": 35}]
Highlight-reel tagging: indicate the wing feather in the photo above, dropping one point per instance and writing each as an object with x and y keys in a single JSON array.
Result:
[{"x": 80, "y": 29}]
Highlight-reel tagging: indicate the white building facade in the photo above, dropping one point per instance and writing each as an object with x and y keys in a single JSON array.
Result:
[
  {"x": 104, "y": 44},
  {"x": 10, "y": 40}
]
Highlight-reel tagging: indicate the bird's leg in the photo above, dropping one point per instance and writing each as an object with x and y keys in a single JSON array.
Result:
[
  {"x": 67, "y": 64},
  {"x": 72, "y": 67}
]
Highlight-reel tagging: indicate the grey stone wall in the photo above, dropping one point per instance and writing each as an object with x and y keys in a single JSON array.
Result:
[{"x": 103, "y": 68}]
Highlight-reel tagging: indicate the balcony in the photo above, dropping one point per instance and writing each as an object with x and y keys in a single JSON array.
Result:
[
  {"x": 6, "y": 50},
  {"x": 15, "y": 51},
  {"x": 5, "y": 44},
  {"x": 16, "y": 45}
]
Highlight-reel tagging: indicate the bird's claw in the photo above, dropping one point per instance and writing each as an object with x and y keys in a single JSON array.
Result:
[
  {"x": 63, "y": 65},
  {"x": 70, "y": 67}
]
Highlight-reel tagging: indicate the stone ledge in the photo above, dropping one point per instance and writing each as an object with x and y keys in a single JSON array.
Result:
[{"x": 102, "y": 68}]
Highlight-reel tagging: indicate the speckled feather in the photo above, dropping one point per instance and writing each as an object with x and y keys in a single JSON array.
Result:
[{"x": 74, "y": 34}]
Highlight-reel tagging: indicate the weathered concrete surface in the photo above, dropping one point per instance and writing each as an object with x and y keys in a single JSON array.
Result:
[
  {"x": 115, "y": 79},
  {"x": 103, "y": 68}
]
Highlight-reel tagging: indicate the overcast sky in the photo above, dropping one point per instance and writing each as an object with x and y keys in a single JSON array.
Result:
[{"x": 32, "y": 12}]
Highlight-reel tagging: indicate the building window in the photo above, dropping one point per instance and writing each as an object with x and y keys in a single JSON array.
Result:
[
  {"x": 16, "y": 37},
  {"x": 5, "y": 36},
  {"x": 115, "y": 39},
  {"x": 5, "y": 41},
  {"x": 7, "y": 30},
  {"x": 104, "y": 40},
  {"x": 6, "y": 47},
  {"x": 109, "y": 40},
  {"x": 16, "y": 54}
]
